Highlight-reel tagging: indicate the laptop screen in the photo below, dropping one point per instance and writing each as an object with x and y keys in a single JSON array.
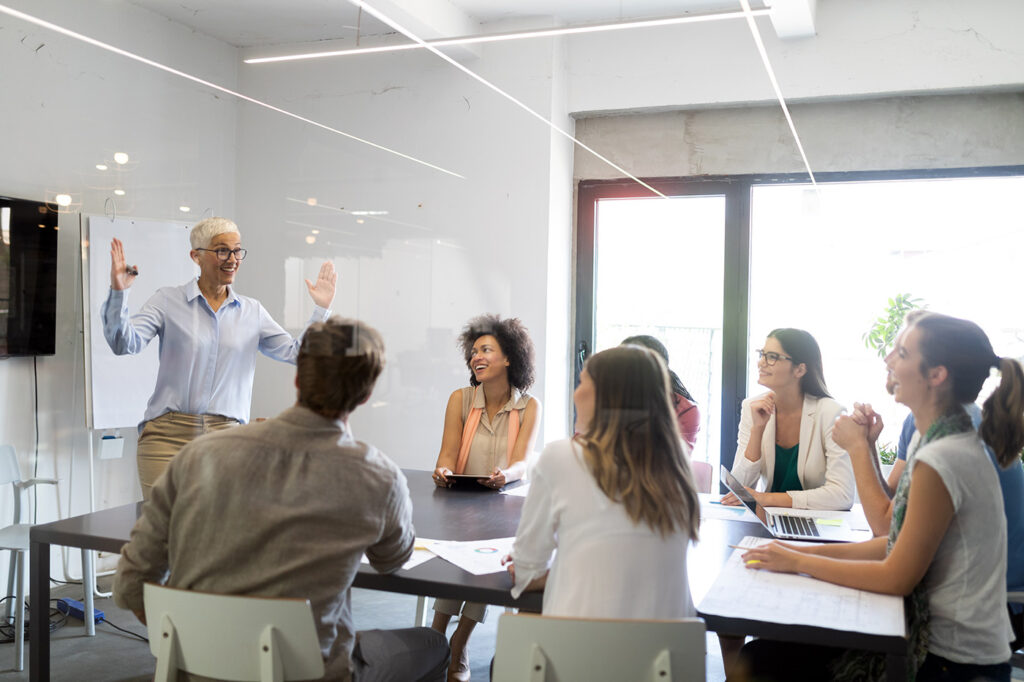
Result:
[{"x": 740, "y": 491}]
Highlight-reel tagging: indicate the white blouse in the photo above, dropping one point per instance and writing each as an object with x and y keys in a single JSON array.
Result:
[{"x": 606, "y": 566}]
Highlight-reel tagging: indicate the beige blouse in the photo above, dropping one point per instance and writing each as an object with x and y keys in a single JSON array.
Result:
[{"x": 490, "y": 443}]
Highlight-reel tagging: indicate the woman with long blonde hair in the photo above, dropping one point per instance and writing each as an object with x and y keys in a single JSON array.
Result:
[{"x": 617, "y": 501}]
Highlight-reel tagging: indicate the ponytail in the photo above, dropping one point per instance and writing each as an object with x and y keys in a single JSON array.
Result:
[{"x": 1002, "y": 414}]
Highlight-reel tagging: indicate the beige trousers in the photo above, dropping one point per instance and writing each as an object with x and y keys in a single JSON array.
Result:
[
  {"x": 470, "y": 610},
  {"x": 164, "y": 436}
]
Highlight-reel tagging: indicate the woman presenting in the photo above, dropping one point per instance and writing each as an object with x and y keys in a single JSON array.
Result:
[
  {"x": 209, "y": 337},
  {"x": 785, "y": 435},
  {"x": 489, "y": 427}
]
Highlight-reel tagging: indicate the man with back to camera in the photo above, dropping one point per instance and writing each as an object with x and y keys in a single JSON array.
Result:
[{"x": 287, "y": 508}]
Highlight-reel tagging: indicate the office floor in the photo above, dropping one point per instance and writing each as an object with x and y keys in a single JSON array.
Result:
[{"x": 116, "y": 657}]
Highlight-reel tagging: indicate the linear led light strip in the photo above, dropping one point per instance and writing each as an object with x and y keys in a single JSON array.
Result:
[
  {"x": 483, "y": 81},
  {"x": 514, "y": 35},
  {"x": 775, "y": 86},
  {"x": 149, "y": 62}
]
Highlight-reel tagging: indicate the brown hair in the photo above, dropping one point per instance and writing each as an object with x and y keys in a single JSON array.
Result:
[
  {"x": 515, "y": 343},
  {"x": 338, "y": 364},
  {"x": 633, "y": 447},
  {"x": 966, "y": 352}
]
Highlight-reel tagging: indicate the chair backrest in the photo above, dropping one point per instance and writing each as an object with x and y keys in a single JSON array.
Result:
[
  {"x": 10, "y": 471},
  {"x": 702, "y": 472},
  {"x": 231, "y": 638},
  {"x": 548, "y": 649}
]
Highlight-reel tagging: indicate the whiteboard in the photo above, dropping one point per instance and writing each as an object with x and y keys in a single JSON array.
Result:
[{"x": 118, "y": 387}]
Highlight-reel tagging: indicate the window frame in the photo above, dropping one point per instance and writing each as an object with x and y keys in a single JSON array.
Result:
[{"x": 737, "y": 190}]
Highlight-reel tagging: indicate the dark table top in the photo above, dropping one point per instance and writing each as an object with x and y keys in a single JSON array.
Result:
[{"x": 472, "y": 512}]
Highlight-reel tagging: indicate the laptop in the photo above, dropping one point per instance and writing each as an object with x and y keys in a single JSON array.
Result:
[{"x": 790, "y": 526}]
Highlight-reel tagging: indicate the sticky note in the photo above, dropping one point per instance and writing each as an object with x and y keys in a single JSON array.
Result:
[{"x": 829, "y": 522}]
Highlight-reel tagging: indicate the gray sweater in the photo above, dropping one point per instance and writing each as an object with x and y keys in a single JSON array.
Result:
[{"x": 282, "y": 508}]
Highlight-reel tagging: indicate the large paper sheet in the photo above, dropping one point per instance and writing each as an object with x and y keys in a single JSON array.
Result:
[
  {"x": 479, "y": 557},
  {"x": 518, "y": 491},
  {"x": 740, "y": 592}
]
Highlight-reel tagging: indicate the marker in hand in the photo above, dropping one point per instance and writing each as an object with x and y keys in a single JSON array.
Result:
[{"x": 131, "y": 270}]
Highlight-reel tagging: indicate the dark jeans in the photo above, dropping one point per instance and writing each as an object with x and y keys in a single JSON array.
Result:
[
  {"x": 400, "y": 656},
  {"x": 938, "y": 669}
]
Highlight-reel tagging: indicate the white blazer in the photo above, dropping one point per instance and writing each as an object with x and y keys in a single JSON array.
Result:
[{"x": 824, "y": 468}]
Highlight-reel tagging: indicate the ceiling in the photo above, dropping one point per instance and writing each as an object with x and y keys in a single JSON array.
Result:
[{"x": 258, "y": 23}]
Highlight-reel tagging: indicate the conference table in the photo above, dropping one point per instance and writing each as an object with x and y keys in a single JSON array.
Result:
[{"x": 466, "y": 512}]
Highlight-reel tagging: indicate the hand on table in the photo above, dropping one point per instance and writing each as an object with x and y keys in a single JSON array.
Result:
[
  {"x": 733, "y": 501},
  {"x": 510, "y": 566},
  {"x": 773, "y": 556},
  {"x": 441, "y": 479},
  {"x": 496, "y": 480}
]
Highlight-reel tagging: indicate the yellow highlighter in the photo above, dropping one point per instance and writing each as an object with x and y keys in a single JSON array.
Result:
[{"x": 752, "y": 561}]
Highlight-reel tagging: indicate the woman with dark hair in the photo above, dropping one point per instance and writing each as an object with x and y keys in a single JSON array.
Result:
[
  {"x": 785, "y": 435},
  {"x": 489, "y": 428},
  {"x": 685, "y": 406},
  {"x": 617, "y": 501},
  {"x": 947, "y": 522}
]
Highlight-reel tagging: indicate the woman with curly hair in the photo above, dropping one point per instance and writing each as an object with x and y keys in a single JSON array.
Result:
[{"x": 489, "y": 427}]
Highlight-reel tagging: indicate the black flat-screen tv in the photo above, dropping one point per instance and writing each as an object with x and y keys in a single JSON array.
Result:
[{"x": 28, "y": 277}]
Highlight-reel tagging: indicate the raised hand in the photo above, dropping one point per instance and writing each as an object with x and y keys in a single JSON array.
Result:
[
  {"x": 865, "y": 415},
  {"x": 847, "y": 433},
  {"x": 322, "y": 292},
  {"x": 121, "y": 275}
]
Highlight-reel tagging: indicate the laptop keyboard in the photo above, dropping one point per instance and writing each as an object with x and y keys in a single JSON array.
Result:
[{"x": 798, "y": 525}]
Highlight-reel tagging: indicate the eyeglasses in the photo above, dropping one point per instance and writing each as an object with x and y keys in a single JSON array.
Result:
[
  {"x": 223, "y": 253},
  {"x": 770, "y": 358}
]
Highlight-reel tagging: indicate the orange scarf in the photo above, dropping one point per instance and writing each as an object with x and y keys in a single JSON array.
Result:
[{"x": 469, "y": 431}]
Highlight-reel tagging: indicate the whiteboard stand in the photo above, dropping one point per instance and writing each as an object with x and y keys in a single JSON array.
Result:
[{"x": 111, "y": 403}]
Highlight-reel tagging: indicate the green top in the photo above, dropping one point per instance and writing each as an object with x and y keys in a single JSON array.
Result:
[{"x": 785, "y": 478}]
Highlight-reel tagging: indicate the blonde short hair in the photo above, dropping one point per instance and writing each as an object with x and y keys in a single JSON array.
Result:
[{"x": 204, "y": 231}]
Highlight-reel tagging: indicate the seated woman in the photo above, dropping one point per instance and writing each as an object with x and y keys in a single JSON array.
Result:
[
  {"x": 489, "y": 427},
  {"x": 617, "y": 501},
  {"x": 685, "y": 406},
  {"x": 947, "y": 521},
  {"x": 785, "y": 435}
]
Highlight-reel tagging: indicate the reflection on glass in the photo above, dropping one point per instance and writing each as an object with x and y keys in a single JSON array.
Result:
[{"x": 659, "y": 270}]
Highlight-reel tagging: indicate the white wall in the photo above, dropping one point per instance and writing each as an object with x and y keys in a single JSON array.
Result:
[
  {"x": 66, "y": 106},
  {"x": 863, "y": 48}
]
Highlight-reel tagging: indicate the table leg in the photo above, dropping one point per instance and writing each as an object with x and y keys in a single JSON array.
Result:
[
  {"x": 421, "y": 611},
  {"x": 39, "y": 612}
]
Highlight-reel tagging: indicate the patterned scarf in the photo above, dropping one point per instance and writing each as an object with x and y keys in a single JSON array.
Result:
[{"x": 859, "y": 665}]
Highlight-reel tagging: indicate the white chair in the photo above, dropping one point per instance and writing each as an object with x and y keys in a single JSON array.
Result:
[
  {"x": 231, "y": 638},
  {"x": 15, "y": 538},
  {"x": 548, "y": 649}
]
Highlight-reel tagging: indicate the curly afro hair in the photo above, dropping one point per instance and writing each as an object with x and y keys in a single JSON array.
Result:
[{"x": 515, "y": 343}]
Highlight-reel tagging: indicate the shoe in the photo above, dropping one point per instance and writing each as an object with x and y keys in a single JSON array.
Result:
[{"x": 458, "y": 668}]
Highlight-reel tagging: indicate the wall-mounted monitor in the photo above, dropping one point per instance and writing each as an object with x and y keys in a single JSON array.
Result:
[{"x": 28, "y": 277}]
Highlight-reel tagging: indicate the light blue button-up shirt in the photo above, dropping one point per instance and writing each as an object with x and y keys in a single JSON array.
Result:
[{"x": 207, "y": 358}]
